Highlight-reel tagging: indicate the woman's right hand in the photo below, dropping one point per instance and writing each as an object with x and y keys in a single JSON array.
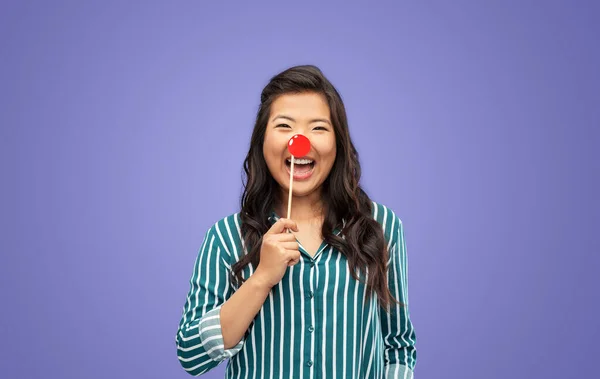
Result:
[{"x": 278, "y": 251}]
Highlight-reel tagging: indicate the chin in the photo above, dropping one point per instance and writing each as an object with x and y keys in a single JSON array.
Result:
[{"x": 304, "y": 191}]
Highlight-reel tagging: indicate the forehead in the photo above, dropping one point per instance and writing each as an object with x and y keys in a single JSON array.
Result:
[{"x": 301, "y": 105}]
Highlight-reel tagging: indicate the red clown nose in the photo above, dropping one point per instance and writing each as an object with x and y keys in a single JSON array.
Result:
[{"x": 299, "y": 145}]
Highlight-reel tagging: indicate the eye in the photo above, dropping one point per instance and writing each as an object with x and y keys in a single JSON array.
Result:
[
  {"x": 321, "y": 128},
  {"x": 283, "y": 126}
]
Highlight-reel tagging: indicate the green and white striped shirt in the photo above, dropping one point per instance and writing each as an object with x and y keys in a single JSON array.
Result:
[{"x": 314, "y": 324}]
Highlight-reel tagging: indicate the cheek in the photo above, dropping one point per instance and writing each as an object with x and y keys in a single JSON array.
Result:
[
  {"x": 328, "y": 150},
  {"x": 272, "y": 150}
]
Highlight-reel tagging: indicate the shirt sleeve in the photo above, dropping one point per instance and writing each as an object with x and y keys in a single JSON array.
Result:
[
  {"x": 399, "y": 337},
  {"x": 199, "y": 337}
]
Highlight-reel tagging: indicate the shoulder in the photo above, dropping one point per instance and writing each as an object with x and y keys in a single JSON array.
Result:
[
  {"x": 227, "y": 224},
  {"x": 226, "y": 231},
  {"x": 389, "y": 221}
]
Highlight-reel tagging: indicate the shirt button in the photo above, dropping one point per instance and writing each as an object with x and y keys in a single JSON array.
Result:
[
  {"x": 312, "y": 263},
  {"x": 311, "y": 328},
  {"x": 311, "y": 294},
  {"x": 309, "y": 363}
]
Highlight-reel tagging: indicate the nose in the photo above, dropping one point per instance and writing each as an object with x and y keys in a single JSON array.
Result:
[{"x": 299, "y": 145}]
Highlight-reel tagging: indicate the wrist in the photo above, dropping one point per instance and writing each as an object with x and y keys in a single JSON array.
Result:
[{"x": 259, "y": 281}]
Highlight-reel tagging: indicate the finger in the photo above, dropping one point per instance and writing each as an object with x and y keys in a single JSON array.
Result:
[
  {"x": 292, "y": 254},
  {"x": 281, "y": 225},
  {"x": 291, "y": 245},
  {"x": 293, "y": 262},
  {"x": 283, "y": 237},
  {"x": 294, "y": 259}
]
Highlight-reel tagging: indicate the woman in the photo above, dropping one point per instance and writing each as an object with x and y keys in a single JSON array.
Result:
[{"x": 319, "y": 295}]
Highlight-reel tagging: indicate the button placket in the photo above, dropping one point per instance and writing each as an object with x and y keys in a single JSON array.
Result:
[{"x": 311, "y": 309}]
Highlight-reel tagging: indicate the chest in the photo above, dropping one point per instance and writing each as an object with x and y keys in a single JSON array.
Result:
[{"x": 309, "y": 237}]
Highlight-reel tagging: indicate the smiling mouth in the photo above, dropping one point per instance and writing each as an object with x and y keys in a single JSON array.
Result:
[
  {"x": 303, "y": 168},
  {"x": 301, "y": 164}
]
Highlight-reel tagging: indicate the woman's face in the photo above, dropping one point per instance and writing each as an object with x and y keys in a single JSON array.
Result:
[{"x": 307, "y": 114}]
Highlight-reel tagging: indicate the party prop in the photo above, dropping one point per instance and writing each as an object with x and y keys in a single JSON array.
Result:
[{"x": 298, "y": 146}]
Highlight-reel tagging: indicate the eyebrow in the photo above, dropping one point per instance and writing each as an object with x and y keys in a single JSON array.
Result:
[{"x": 311, "y": 121}]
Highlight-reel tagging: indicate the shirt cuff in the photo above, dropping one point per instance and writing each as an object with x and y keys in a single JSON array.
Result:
[
  {"x": 212, "y": 336},
  {"x": 398, "y": 371}
]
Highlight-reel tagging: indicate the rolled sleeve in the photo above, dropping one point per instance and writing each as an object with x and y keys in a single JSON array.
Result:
[
  {"x": 211, "y": 336},
  {"x": 395, "y": 371}
]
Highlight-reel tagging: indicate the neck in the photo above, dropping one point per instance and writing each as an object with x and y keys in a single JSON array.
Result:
[{"x": 304, "y": 208}]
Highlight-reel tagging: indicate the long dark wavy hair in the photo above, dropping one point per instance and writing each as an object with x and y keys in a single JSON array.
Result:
[{"x": 342, "y": 197}]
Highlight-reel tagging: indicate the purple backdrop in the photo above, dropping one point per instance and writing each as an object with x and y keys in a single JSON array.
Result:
[{"x": 124, "y": 127}]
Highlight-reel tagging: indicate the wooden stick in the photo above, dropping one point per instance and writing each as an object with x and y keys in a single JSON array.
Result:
[{"x": 289, "y": 210}]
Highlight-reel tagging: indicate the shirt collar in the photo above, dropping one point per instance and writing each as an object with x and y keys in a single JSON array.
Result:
[{"x": 273, "y": 217}]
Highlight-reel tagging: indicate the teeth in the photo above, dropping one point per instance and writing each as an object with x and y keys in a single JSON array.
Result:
[{"x": 301, "y": 161}]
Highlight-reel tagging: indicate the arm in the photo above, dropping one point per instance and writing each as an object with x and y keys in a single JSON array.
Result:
[
  {"x": 399, "y": 337},
  {"x": 199, "y": 337},
  {"x": 240, "y": 310}
]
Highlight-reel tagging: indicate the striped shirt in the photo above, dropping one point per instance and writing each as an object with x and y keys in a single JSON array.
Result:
[{"x": 314, "y": 324}]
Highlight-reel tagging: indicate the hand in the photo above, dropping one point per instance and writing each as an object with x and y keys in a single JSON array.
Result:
[{"x": 278, "y": 251}]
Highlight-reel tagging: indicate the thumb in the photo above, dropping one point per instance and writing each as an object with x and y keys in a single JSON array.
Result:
[{"x": 282, "y": 224}]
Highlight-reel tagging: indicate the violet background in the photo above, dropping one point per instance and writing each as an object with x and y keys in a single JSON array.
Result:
[{"x": 124, "y": 126}]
